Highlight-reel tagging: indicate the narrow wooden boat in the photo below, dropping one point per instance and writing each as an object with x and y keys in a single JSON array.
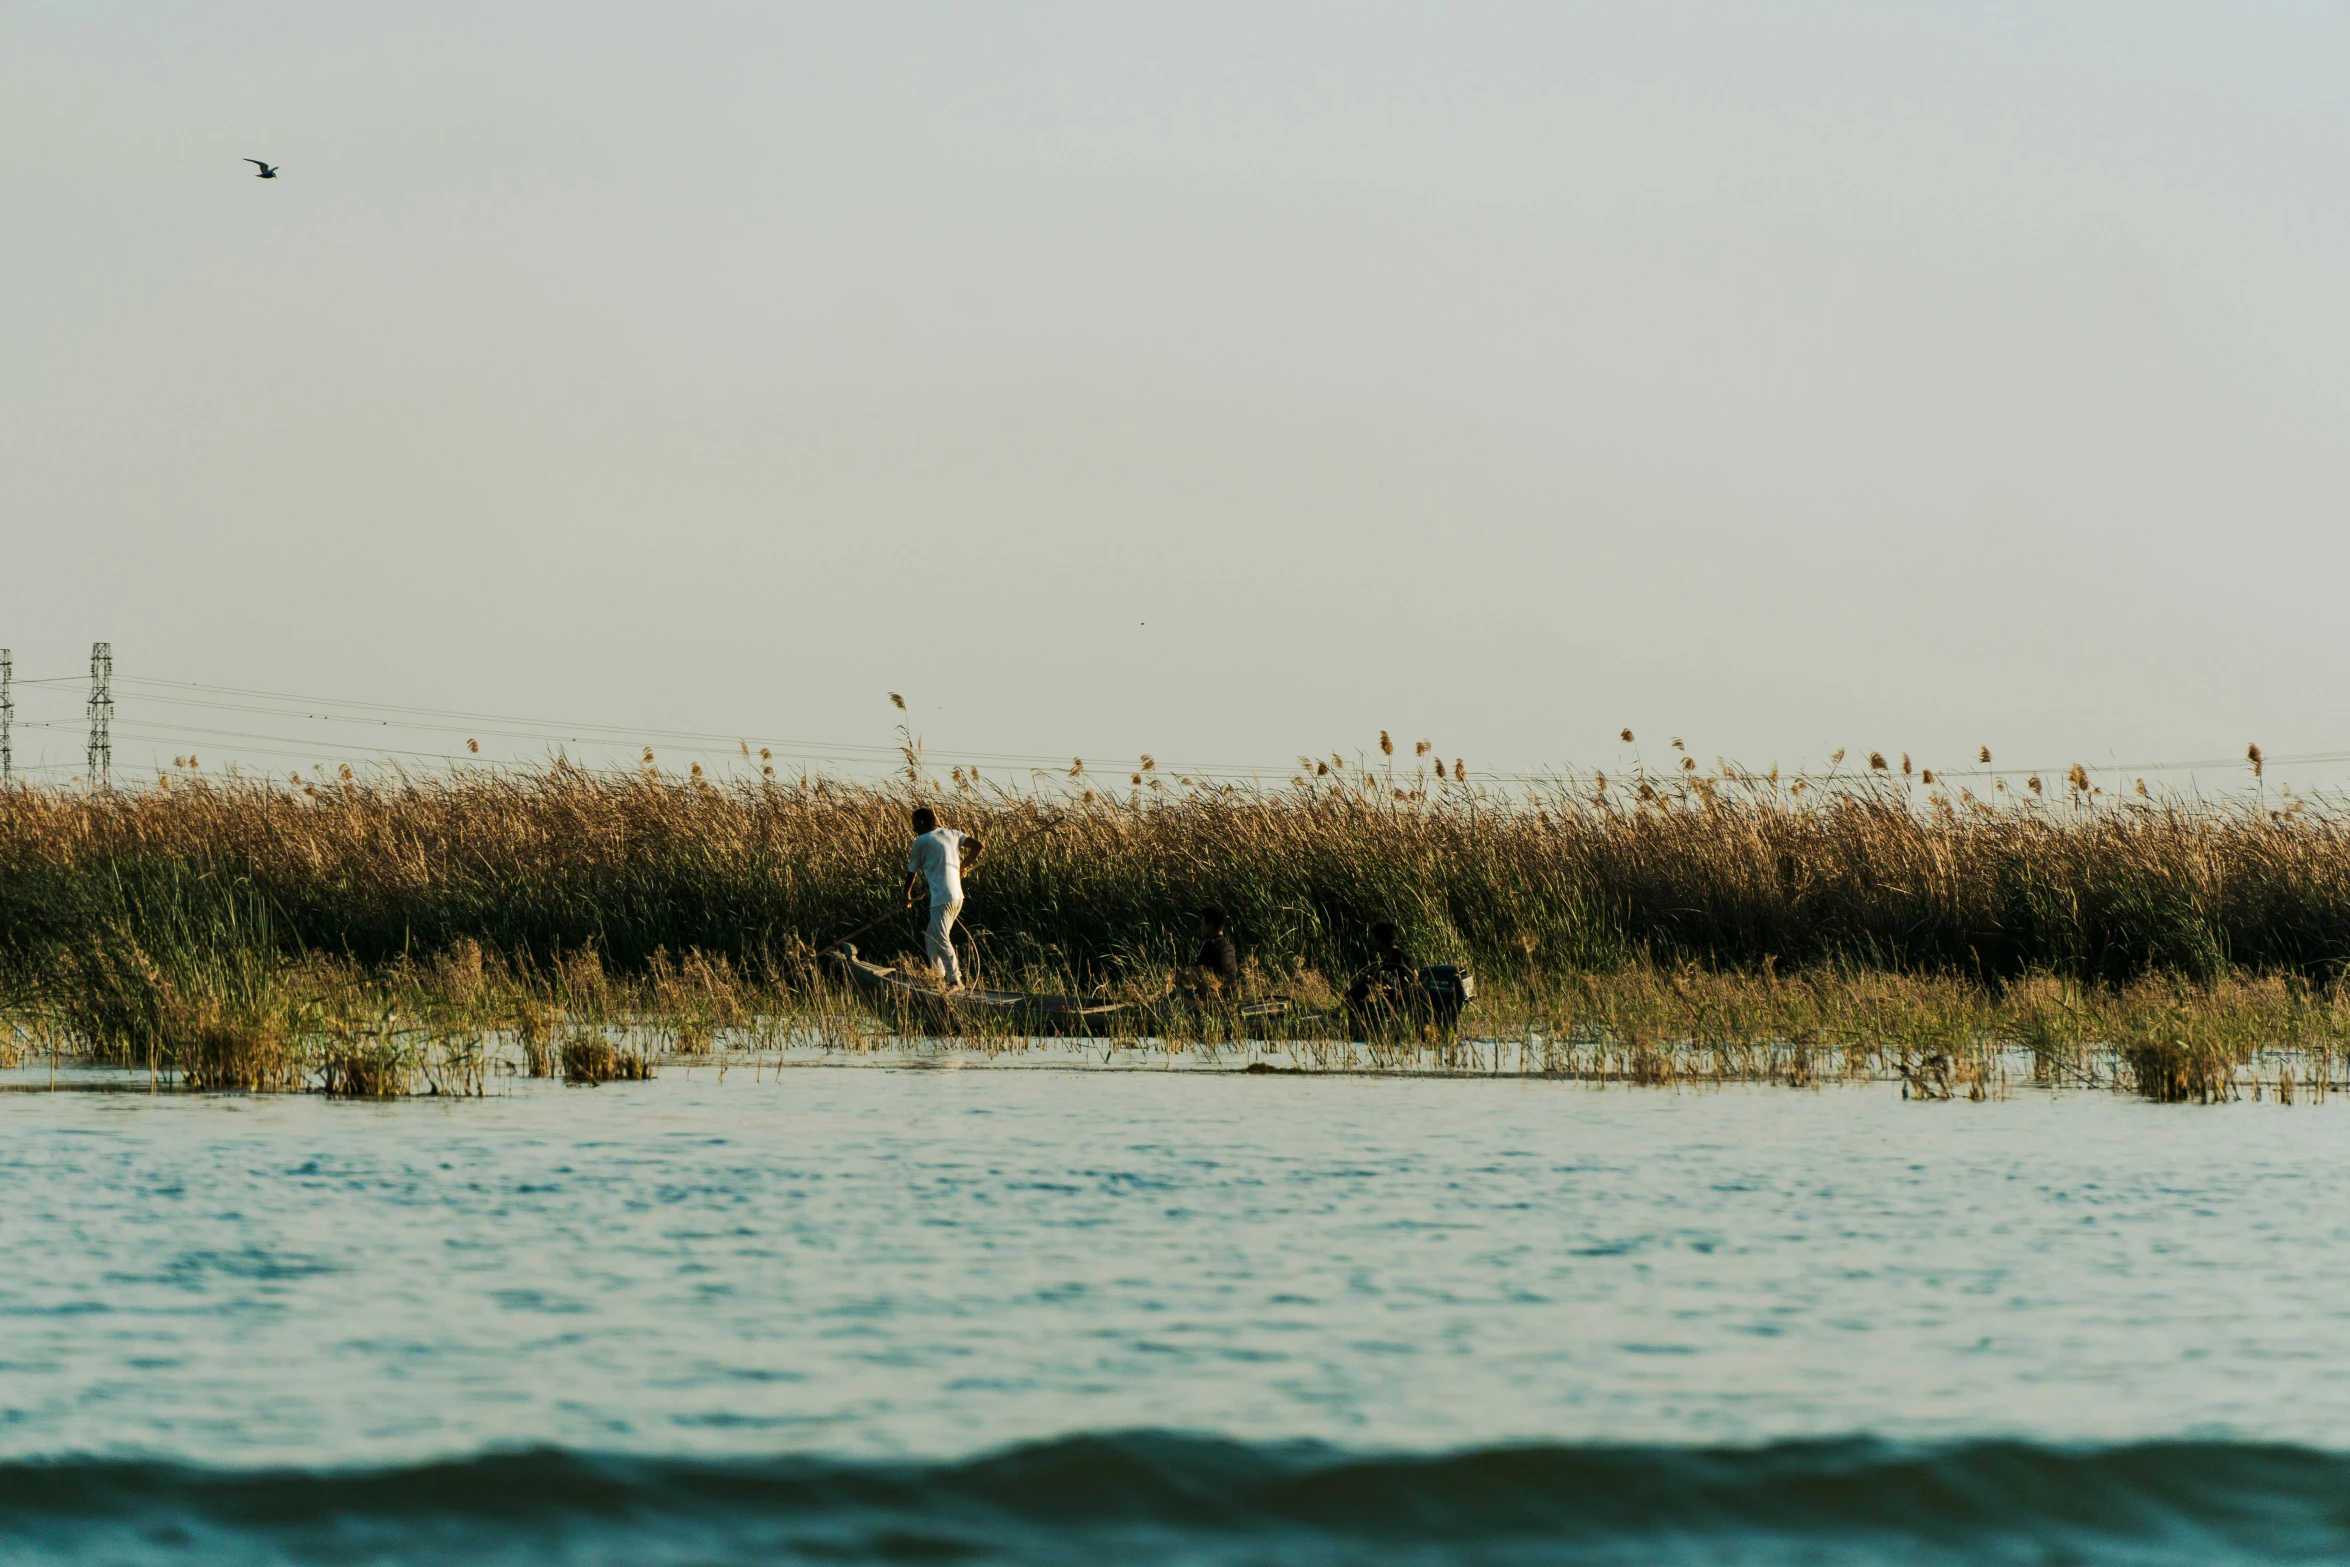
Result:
[
  {"x": 1188, "y": 1014},
  {"x": 922, "y": 1003},
  {"x": 918, "y": 1003}
]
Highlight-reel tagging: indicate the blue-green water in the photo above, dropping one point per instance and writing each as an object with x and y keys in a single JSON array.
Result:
[{"x": 1018, "y": 1315}]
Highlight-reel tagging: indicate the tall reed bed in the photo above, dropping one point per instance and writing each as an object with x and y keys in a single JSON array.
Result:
[
  {"x": 148, "y": 920},
  {"x": 1732, "y": 874}
]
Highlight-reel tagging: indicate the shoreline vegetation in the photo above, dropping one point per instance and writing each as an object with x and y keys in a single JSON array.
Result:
[{"x": 397, "y": 934}]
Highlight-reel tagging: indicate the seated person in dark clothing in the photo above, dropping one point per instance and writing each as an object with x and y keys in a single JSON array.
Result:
[
  {"x": 1215, "y": 968},
  {"x": 1391, "y": 981}
]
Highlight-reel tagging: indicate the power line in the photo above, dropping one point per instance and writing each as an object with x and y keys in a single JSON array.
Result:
[
  {"x": 712, "y": 742},
  {"x": 618, "y": 733},
  {"x": 593, "y": 733},
  {"x": 304, "y": 749},
  {"x": 413, "y": 718}
]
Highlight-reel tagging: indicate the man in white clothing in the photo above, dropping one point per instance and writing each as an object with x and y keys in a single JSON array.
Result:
[{"x": 938, "y": 858}]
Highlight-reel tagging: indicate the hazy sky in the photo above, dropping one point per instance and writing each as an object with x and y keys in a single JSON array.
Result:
[{"x": 1222, "y": 381}]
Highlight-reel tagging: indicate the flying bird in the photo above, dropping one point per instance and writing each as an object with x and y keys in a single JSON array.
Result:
[{"x": 268, "y": 170}]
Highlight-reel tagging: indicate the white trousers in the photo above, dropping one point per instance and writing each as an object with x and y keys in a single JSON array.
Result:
[{"x": 939, "y": 941}]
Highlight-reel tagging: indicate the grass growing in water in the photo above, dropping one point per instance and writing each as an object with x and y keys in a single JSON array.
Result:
[{"x": 392, "y": 935}]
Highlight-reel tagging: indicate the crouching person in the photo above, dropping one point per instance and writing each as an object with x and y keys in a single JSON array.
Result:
[
  {"x": 1215, "y": 967},
  {"x": 1388, "y": 990}
]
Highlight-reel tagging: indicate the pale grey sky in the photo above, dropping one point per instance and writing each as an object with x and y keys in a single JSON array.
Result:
[{"x": 1223, "y": 381}]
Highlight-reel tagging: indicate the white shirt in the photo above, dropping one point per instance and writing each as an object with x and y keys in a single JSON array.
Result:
[{"x": 938, "y": 856}]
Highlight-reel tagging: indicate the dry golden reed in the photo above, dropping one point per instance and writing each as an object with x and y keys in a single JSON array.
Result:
[
  {"x": 520, "y": 907},
  {"x": 1725, "y": 871}
]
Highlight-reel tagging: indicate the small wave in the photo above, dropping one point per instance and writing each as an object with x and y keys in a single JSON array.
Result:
[{"x": 1151, "y": 1497}]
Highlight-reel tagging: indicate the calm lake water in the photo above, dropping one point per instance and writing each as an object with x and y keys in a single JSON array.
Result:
[{"x": 1001, "y": 1314}]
